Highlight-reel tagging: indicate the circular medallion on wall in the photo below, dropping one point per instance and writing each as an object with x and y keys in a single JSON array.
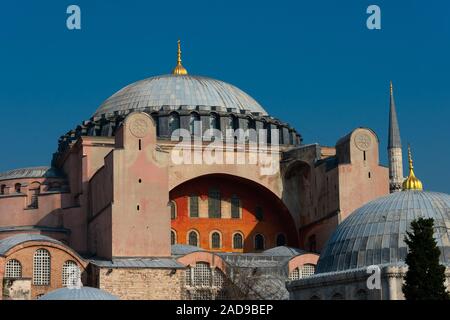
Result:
[
  {"x": 139, "y": 127},
  {"x": 363, "y": 141}
]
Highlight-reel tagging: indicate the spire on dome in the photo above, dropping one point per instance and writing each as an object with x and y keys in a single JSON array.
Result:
[
  {"x": 411, "y": 183},
  {"x": 179, "y": 69}
]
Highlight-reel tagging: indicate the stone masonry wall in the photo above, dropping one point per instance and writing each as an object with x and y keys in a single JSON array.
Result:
[{"x": 142, "y": 284}]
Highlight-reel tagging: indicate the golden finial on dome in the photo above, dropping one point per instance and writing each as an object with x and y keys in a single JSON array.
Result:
[
  {"x": 411, "y": 183},
  {"x": 179, "y": 69}
]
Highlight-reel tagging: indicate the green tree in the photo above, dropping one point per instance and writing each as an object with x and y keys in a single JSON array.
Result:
[{"x": 426, "y": 276}]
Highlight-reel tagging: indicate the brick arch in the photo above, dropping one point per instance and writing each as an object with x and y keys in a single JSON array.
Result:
[
  {"x": 202, "y": 256},
  {"x": 276, "y": 216},
  {"x": 300, "y": 260},
  {"x": 48, "y": 245}
]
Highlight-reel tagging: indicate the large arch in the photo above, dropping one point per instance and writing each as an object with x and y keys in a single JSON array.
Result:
[{"x": 255, "y": 201}]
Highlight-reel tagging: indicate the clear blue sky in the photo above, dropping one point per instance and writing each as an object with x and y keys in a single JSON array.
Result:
[{"x": 313, "y": 64}]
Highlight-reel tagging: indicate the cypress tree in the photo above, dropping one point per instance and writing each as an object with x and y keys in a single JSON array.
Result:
[{"x": 426, "y": 276}]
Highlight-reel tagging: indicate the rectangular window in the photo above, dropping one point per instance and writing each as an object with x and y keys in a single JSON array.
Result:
[
  {"x": 235, "y": 207},
  {"x": 193, "y": 206},
  {"x": 214, "y": 210}
]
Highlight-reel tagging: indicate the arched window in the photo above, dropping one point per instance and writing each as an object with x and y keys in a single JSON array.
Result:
[
  {"x": 173, "y": 210},
  {"x": 34, "y": 192},
  {"x": 259, "y": 242},
  {"x": 203, "y": 282},
  {"x": 308, "y": 270},
  {"x": 214, "y": 207},
  {"x": 202, "y": 275},
  {"x": 337, "y": 296},
  {"x": 281, "y": 240},
  {"x": 193, "y": 238},
  {"x": 41, "y": 268},
  {"x": 174, "y": 122},
  {"x": 71, "y": 274},
  {"x": 193, "y": 206},
  {"x": 173, "y": 237},
  {"x": 238, "y": 241},
  {"x": 13, "y": 269},
  {"x": 18, "y": 188},
  {"x": 3, "y": 189},
  {"x": 259, "y": 213},
  {"x": 235, "y": 207},
  {"x": 294, "y": 274},
  {"x": 194, "y": 124},
  {"x": 215, "y": 240},
  {"x": 214, "y": 121}
]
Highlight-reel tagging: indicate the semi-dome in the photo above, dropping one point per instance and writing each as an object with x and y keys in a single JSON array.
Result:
[
  {"x": 174, "y": 90},
  {"x": 374, "y": 234}
]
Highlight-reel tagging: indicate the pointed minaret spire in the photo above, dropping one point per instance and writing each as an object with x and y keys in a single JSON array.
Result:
[{"x": 394, "y": 147}]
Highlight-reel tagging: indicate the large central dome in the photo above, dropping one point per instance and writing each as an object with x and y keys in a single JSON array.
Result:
[{"x": 179, "y": 90}]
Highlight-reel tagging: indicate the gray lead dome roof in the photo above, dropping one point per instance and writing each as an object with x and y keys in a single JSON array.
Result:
[
  {"x": 179, "y": 90},
  {"x": 374, "y": 234}
]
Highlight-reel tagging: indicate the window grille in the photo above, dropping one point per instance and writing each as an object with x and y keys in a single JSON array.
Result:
[
  {"x": 202, "y": 275},
  {"x": 193, "y": 239},
  {"x": 41, "y": 267},
  {"x": 215, "y": 240},
  {"x": 237, "y": 241},
  {"x": 187, "y": 277},
  {"x": 201, "y": 295},
  {"x": 193, "y": 206},
  {"x": 13, "y": 269},
  {"x": 214, "y": 203},
  {"x": 295, "y": 274},
  {"x": 218, "y": 278},
  {"x": 235, "y": 207},
  {"x": 308, "y": 270},
  {"x": 71, "y": 274}
]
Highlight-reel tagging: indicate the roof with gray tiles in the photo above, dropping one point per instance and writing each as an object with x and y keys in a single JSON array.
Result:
[
  {"x": 175, "y": 91},
  {"x": 182, "y": 249},
  {"x": 138, "y": 263},
  {"x": 284, "y": 251},
  {"x": 10, "y": 242},
  {"x": 32, "y": 172},
  {"x": 83, "y": 293},
  {"x": 374, "y": 234}
]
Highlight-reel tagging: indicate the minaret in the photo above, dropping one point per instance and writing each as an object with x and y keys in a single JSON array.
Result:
[{"x": 394, "y": 148}]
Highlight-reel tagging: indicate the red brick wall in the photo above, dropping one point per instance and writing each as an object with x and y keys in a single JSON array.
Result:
[
  {"x": 276, "y": 217},
  {"x": 24, "y": 254}
]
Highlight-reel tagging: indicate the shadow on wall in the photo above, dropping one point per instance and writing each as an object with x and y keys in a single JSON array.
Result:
[{"x": 231, "y": 214}]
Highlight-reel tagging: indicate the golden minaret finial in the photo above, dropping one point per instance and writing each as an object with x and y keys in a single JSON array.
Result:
[
  {"x": 179, "y": 69},
  {"x": 411, "y": 183}
]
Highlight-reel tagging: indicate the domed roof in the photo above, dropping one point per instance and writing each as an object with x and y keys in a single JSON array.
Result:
[
  {"x": 374, "y": 234},
  {"x": 33, "y": 172},
  {"x": 83, "y": 293},
  {"x": 179, "y": 90}
]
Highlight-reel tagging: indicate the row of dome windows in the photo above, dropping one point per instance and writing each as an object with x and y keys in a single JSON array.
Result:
[
  {"x": 42, "y": 271},
  {"x": 215, "y": 240},
  {"x": 232, "y": 122}
]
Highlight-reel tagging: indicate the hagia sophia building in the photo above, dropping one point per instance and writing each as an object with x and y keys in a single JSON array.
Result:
[{"x": 135, "y": 224}]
